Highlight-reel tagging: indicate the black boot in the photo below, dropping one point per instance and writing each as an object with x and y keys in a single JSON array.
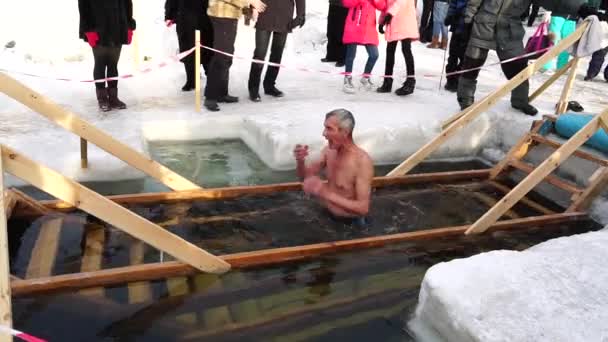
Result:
[
  {"x": 102, "y": 99},
  {"x": 407, "y": 88},
  {"x": 189, "y": 67},
  {"x": 114, "y": 101},
  {"x": 273, "y": 91},
  {"x": 451, "y": 85},
  {"x": 525, "y": 108},
  {"x": 211, "y": 105},
  {"x": 387, "y": 85}
]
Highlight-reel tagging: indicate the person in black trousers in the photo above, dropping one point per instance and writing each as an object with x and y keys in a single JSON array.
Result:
[
  {"x": 458, "y": 42},
  {"x": 106, "y": 26},
  {"x": 426, "y": 21},
  {"x": 336, "y": 17},
  {"x": 190, "y": 15},
  {"x": 276, "y": 22}
]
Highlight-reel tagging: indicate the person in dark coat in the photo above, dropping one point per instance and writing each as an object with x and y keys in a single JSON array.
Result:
[
  {"x": 190, "y": 15},
  {"x": 336, "y": 17},
  {"x": 106, "y": 26},
  {"x": 275, "y": 22},
  {"x": 496, "y": 25},
  {"x": 458, "y": 42}
]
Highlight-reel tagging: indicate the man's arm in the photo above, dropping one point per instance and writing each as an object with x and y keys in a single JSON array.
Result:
[
  {"x": 313, "y": 169},
  {"x": 471, "y": 10},
  {"x": 363, "y": 190}
]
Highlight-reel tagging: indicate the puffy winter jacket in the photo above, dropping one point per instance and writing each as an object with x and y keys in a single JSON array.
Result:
[
  {"x": 456, "y": 9},
  {"x": 404, "y": 23},
  {"x": 111, "y": 19},
  {"x": 360, "y": 25}
]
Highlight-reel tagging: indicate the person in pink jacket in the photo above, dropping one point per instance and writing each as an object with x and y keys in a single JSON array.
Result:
[
  {"x": 360, "y": 29},
  {"x": 399, "y": 24}
]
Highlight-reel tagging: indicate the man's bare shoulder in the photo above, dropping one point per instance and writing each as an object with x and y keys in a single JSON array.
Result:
[{"x": 363, "y": 158}]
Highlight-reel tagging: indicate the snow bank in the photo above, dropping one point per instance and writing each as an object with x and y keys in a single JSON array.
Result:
[{"x": 555, "y": 291}]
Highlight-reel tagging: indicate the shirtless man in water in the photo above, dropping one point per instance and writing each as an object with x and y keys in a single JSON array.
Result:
[{"x": 348, "y": 168}]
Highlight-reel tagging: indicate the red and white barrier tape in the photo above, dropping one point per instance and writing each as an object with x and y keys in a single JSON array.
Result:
[
  {"x": 142, "y": 71},
  {"x": 20, "y": 334}
]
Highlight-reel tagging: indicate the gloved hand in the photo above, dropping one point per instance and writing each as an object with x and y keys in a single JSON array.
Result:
[
  {"x": 92, "y": 38},
  {"x": 169, "y": 22},
  {"x": 381, "y": 28},
  {"x": 129, "y": 36},
  {"x": 387, "y": 19},
  {"x": 450, "y": 20},
  {"x": 297, "y": 21}
]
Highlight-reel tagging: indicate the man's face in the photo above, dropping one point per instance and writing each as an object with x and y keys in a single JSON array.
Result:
[{"x": 335, "y": 136}]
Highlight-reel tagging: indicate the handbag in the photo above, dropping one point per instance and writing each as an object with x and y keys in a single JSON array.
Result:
[{"x": 539, "y": 42}]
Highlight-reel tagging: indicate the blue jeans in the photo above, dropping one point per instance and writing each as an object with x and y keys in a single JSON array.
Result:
[
  {"x": 351, "y": 52},
  {"x": 440, "y": 11}
]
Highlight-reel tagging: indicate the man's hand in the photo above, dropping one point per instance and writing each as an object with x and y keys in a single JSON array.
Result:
[
  {"x": 258, "y": 5},
  {"x": 300, "y": 152},
  {"x": 169, "y": 22},
  {"x": 313, "y": 185}
]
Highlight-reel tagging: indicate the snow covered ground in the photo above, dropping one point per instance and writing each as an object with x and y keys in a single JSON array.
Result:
[{"x": 390, "y": 128}]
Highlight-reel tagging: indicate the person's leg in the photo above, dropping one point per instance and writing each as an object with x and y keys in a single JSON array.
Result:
[
  {"x": 351, "y": 52},
  {"x": 99, "y": 72},
  {"x": 276, "y": 55},
  {"x": 442, "y": 12},
  {"x": 556, "y": 28},
  {"x": 410, "y": 82},
  {"x": 467, "y": 84},
  {"x": 224, "y": 35},
  {"x": 341, "y": 47},
  {"x": 567, "y": 29},
  {"x": 185, "y": 39},
  {"x": 372, "y": 58},
  {"x": 453, "y": 61},
  {"x": 519, "y": 95},
  {"x": 387, "y": 83},
  {"x": 332, "y": 38},
  {"x": 425, "y": 19},
  {"x": 206, "y": 40},
  {"x": 595, "y": 65},
  {"x": 114, "y": 56},
  {"x": 262, "y": 39}
]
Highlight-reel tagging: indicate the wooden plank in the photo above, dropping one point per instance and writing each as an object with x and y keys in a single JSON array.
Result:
[
  {"x": 264, "y": 257},
  {"x": 6, "y": 318},
  {"x": 597, "y": 184},
  {"x": 490, "y": 202},
  {"x": 27, "y": 201},
  {"x": 45, "y": 249},
  {"x": 551, "y": 80},
  {"x": 97, "y": 205},
  {"x": 551, "y": 179},
  {"x": 518, "y": 151},
  {"x": 542, "y": 171},
  {"x": 139, "y": 291},
  {"x": 238, "y": 191},
  {"x": 525, "y": 200},
  {"x": 10, "y": 201},
  {"x": 73, "y": 123},
  {"x": 578, "y": 153},
  {"x": 197, "y": 71},
  {"x": 92, "y": 255},
  {"x": 84, "y": 154},
  {"x": 604, "y": 124},
  {"x": 562, "y": 105},
  {"x": 486, "y": 103}
]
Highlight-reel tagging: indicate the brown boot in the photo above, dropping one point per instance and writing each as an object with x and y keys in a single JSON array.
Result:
[
  {"x": 114, "y": 101},
  {"x": 434, "y": 44},
  {"x": 444, "y": 43},
  {"x": 102, "y": 99}
]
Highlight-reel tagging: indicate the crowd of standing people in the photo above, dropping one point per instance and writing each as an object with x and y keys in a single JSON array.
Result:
[{"x": 477, "y": 26}]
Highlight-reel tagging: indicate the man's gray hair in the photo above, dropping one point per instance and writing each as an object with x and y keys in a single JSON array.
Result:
[{"x": 345, "y": 118}]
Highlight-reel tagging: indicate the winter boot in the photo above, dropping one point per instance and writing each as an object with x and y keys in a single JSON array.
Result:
[
  {"x": 434, "y": 44},
  {"x": 387, "y": 85},
  {"x": 525, "y": 108},
  {"x": 444, "y": 43},
  {"x": 407, "y": 88},
  {"x": 451, "y": 85},
  {"x": 366, "y": 83},
  {"x": 348, "y": 87},
  {"x": 466, "y": 92},
  {"x": 189, "y": 67},
  {"x": 273, "y": 91},
  {"x": 102, "y": 99},
  {"x": 211, "y": 105},
  {"x": 114, "y": 101}
]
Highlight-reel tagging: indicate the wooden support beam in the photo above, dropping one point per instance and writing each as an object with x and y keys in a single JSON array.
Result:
[
  {"x": 31, "y": 204},
  {"x": 542, "y": 171},
  {"x": 139, "y": 291},
  {"x": 264, "y": 257},
  {"x": 486, "y": 103},
  {"x": 562, "y": 105},
  {"x": 551, "y": 179},
  {"x": 597, "y": 184},
  {"x": 70, "y": 121},
  {"x": 10, "y": 201},
  {"x": 604, "y": 124},
  {"x": 197, "y": 71},
  {"x": 578, "y": 153},
  {"x": 551, "y": 80},
  {"x": 6, "y": 318},
  {"x": 525, "y": 200},
  {"x": 238, "y": 191},
  {"x": 93, "y": 254},
  {"x": 45, "y": 249},
  {"x": 518, "y": 151},
  {"x": 114, "y": 214},
  {"x": 84, "y": 154},
  {"x": 490, "y": 202}
]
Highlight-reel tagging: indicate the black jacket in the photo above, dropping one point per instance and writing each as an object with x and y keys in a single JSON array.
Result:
[
  {"x": 278, "y": 15},
  {"x": 187, "y": 12},
  {"x": 111, "y": 19}
]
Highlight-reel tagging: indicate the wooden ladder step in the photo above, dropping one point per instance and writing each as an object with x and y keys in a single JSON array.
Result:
[
  {"x": 139, "y": 291},
  {"x": 45, "y": 249},
  {"x": 581, "y": 154},
  {"x": 92, "y": 255},
  {"x": 551, "y": 179}
]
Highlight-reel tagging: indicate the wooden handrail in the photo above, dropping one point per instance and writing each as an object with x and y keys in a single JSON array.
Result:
[
  {"x": 578, "y": 153},
  {"x": 551, "y": 179}
]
